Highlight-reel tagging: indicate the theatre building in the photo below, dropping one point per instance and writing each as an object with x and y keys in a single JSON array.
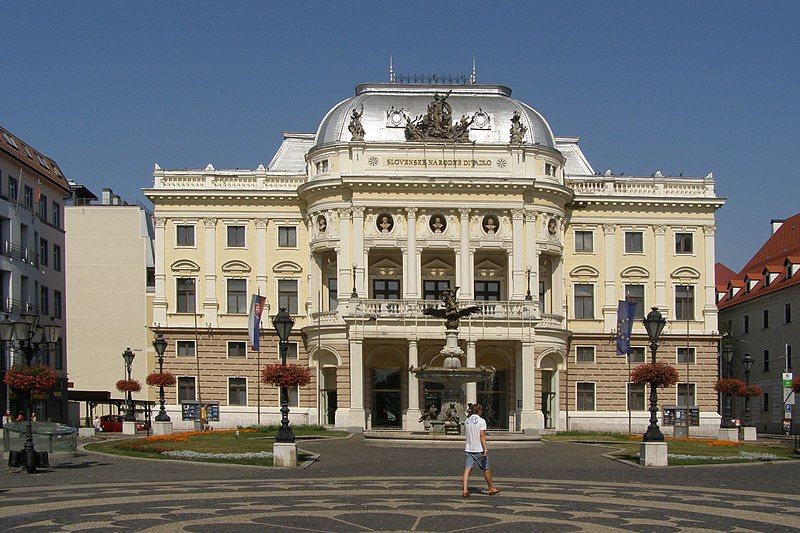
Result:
[{"x": 402, "y": 191}]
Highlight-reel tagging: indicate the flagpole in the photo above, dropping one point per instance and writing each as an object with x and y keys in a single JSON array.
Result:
[
  {"x": 629, "y": 389},
  {"x": 258, "y": 379}
]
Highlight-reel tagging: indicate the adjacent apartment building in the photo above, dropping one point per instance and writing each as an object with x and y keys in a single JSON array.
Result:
[
  {"x": 32, "y": 193},
  {"x": 761, "y": 304},
  {"x": 407, "y": 189}
]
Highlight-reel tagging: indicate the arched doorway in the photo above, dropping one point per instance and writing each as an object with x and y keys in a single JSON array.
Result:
[
  {"x": 493, "y": 395},
  {"x": 327, "y": 367},
  {"x": 548, "y": 366}
]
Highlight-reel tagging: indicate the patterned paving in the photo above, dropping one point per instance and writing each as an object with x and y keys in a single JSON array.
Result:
[{"x": 391, "y": 504}]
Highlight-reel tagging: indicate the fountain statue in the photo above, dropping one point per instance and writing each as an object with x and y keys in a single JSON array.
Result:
[{"x": 451, "y": 374}]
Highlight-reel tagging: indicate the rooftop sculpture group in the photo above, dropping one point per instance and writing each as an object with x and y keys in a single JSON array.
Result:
[{"x": 437, "y": 123}]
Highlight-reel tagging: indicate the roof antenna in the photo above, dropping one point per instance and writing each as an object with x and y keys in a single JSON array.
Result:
[
  {"x": 391, "y": 71},
  {"x": 473, "y": 79}
]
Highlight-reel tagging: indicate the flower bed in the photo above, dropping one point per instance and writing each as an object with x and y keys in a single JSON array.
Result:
[
  {"x": 657, "y": 374},
  {"x": 38, "y": 378},
  {"x": 291, "y": 375},
  {"x": 129, "y": 385}
]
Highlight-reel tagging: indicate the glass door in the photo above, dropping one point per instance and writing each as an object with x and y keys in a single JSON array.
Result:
[
  {"x": 493, "y": 396},
  {"x": 386, "y": 403}
]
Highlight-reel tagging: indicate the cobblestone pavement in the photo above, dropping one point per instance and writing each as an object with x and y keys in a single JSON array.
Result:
[{"x": 353, "y": 487}]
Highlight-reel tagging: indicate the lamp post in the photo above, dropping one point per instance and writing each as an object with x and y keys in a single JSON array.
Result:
[
  {"x": 654, "y": 324},
  {"x": 747, "y": 363},
  {"x": 354, "y": 294},
  {"x": 528, "y": 295},
  {"x": 727, "y": 356},
  {"x": 283, "y": 323},
  {"x": 160, "y": 346},
  {"x": 128, "y": 356},
  {"x": 30, "y": 336}
]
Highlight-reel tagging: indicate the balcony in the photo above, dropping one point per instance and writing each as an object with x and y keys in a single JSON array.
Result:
[
  {"x": 18, "y": 307},
  {"x": 18, "y": 253},
  {"x": 413, "y": 309}
]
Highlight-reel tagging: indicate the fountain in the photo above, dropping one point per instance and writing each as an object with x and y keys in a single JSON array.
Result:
[{"x": 452, "y": 375}]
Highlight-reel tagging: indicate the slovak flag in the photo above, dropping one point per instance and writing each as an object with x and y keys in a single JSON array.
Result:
[
  {"x": 254, "y": 322},
  {"x": 625, "y": 313}
]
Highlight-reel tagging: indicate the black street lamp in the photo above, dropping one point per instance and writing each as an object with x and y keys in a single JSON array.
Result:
[
  {"x": 727, "y": 356},
  {"x": 160, "y": 346},
  {"x": 654, "y": 324},
  {"x": 354, "y": 294},
  {"x": 528, "y": 295},
  {"x": 747, "y": 363},
  {"x": 128, "y": 356},
  {"x": 283, "y": 323},
  {"x": 31, "y": 337}
]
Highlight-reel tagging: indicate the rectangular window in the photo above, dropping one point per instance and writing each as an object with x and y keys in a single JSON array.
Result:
[
  {"x": 788, "y": 357},
  {"x": 287, "y": 236},
  {"x": 766, "y": 360},
  {"x": 237, "y": 349},
  {"x": 237, "y": 296},
  {"x": 57, "y": 304},
  {"x": 184, "y": 235},
  {"x": 42, "y": 207},
  {"x": 684, "y": 302},
  {"x": 635, "y": 293},
  {"x": 287, "y": 295},
  {"x": 44, "y": 252},
  {"x": 56, "y": 258},
  {"x": 386, "y": 289},
  {"x": 333, "y": 294},
  {"x": 765, "y": 318},
  {"x": 184, "y": 349},
  {"x": 294, "y": 397},
  {"x": 59, "y": 359},
  {"x": 585, "y": 396},
  {"x": 56, "y": 214},
  {"x": 432, "y": 288},
  {"x": 44, "y": 302},
  {"x": 186, "y": 389},
  {"x": 584, "y": 301},
  {"x": 746, "y": 324},
  {"x": 787, "y": 313},
  {"x": 683, "y": 358},
  {"x": 185, "y": 295},
  {"x": 684, "y": 243},
  {"x": 637, "y": 354},
  {"x": 584, "y": 354},
  {"x": 584, "y": 241},
  {"x": 235, "y": 236},
  {"x": 636, "y": 396},
  {"x": 237, "y": 391},
  {"x": 634, "y": 242},
  {"x": 682, "y": 395},
  {"x": 13, "y": 188},
  {"x": 765, "y": 403},
  {"x": 28, "y": 197},
  {"x": 291, "y": 353},
  {"x": 487, "y": 291}
]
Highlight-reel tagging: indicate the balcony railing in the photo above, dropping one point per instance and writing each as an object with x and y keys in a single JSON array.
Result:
[
  {"x": 15, "y": 251},
  {"x": 413, "y": 309},
  {"x": 551, "y": 321},
  {"x": 19, "y": 307},
  {"x": 326, "y": 318}
]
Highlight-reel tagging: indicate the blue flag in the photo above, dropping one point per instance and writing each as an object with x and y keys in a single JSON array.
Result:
[{"x": 625, "y": 313}]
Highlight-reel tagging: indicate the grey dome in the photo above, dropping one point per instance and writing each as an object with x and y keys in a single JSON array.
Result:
[{"x": 382, "y": 123}]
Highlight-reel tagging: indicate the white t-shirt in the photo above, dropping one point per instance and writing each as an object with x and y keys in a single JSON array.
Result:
[{"x": 473, "y": 427}]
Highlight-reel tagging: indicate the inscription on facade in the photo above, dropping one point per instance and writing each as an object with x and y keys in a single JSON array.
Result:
[{"x": 434, "y": 162}]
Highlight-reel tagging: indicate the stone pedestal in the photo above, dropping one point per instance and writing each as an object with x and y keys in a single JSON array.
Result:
[
  {"x": 86, "y": 432},
  {"x": 749, "y": 433},
  {"x": 731, "y": 434},
  {"x": 128, "y": 428},
  {"x": 653, "y": 454},
  {"x": 284, "y": 454},
  {"x": 162, "y": 428}
]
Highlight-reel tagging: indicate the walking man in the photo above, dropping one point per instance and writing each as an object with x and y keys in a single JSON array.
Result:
[{"x": 476, "y": 450}]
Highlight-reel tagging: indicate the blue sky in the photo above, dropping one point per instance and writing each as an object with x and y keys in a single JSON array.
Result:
[{"x": 109, "y": 88}]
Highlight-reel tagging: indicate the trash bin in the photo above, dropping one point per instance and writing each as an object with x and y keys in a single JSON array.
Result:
[{"x": 680, "y": 432}]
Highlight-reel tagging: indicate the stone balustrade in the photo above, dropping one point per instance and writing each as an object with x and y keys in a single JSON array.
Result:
[
  {"x": 413, "y": 309},
  {"x": 643, "y": 186}
]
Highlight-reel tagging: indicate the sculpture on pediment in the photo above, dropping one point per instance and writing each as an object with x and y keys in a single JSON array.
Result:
[
  {"x": 437, "y": 123},
  {"x": 517, "y": 129},
  {"x": 355, "y": 127}
]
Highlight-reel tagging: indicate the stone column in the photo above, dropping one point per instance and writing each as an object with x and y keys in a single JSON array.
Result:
[
  {"x": 610, "y": 292},
  {"x": 661, "y": 270},
  {"x": 413, "y": 412},
  {"x": 412, "y": 272},
  {"x": 709, "y": 305},
  {"x": 358, "y": 249},
  {"x": 519, "y": 284},
  {"x": 210, "y": 302},
  {"x": 357, "y": 421},
  {"x": 530, "y": 418},
  {"x": 465, "y": 265},
  {"x": 160, "y": 249},
  {"x": 261, "y": 257},
  {"x": 343, "y": 263},
  {"x": 472, "y": 388}
]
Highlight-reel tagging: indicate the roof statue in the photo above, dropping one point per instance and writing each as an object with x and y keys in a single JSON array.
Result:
[
  {"x": 355, "y": 127},
  {"x": 517, "y": 129},
  {"x": 437, "y": 123},
  {"x": 451, "y": 313}
]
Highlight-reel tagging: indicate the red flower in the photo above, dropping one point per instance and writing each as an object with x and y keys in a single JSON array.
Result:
[
  {"x": 290, "y": 375},
  {"x": 796, "y": 384},
  {"x": 752, "y": 390},
  {"x": 39, "y": 378},
  {"x": 125, "y": 385},
  {"x": 729, "y": 386},
  {"x": 160, "y": 379},
  {"x": 657, "y": 374}
]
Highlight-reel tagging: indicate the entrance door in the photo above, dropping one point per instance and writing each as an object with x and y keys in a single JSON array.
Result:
[
  {"x": 548, "y": 405},
  {"x": 494, "y": 399},
  {"x": 386, "y": 405},
  {"x": 329, "y": 404}
]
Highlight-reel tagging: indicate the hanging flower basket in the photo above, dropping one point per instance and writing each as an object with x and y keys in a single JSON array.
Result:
[
  {"x": 160, "y": 379},
  {"x": 128, "y": 385},
  {"x": 290, "y": 375},
  {"x": 657, "y": 374},
  {"x": 751, "y": 391},
  {"x": 38, "y": 378},
  {"x": 729, "y": 386},
  {"x": 796, "y": 385}
]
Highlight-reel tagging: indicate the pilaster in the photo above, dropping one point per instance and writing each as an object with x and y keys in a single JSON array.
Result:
[
  {"x": 661, "y": 268},
  {"x": 519, "y": 284},
  {"x": 609, "y": 278},
  {"x": 261, "y": 255},
  {"x": 160, "y": 297},
  {"x": 413, "y": 412},
  {"x": 210, "y": 302},
  {"x": 413, "y": 272},
  {"x": 465, "y": 263}
]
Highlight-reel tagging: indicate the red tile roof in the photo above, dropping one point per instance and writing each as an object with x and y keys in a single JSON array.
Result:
[
  {"x": 31, "y": 160},
  {"x": 783, "y": 245},
  {"x": 722, "y": 275}
]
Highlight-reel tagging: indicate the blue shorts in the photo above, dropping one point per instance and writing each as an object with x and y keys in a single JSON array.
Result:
[{"x": 477, "y": 457}]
